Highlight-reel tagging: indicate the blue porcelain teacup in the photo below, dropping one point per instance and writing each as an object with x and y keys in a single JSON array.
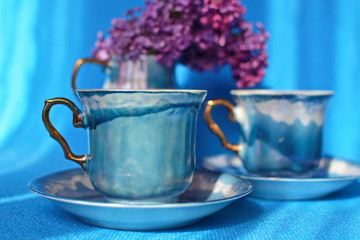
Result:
[
  {"x": 281, "y": 132},
  {"x": 141, "y": 142}
]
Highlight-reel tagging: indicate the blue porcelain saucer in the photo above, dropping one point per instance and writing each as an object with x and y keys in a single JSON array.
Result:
[
  {"x": 208, "y": 193},
  {"x": 333, "y": 176}
]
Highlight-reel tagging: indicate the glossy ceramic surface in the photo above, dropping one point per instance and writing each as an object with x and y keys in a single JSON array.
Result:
[
  {"x": 141, "y": 142},
  {"x": 280, "y": 131},
  {"x": 208, "y": 193},
  {"x": 145, "y": 73},
  {"x": 333, "y": 175}
]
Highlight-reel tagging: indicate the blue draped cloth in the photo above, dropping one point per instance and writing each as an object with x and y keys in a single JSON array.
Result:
[{"x": 313, "y": 45}]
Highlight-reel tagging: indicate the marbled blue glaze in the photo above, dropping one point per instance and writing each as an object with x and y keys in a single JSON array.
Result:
[
  {"x": 142, "y": 143},
  {"x": 281, "y": 132}
]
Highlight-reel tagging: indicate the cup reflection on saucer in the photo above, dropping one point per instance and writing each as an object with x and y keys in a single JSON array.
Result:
[{"x": 208, "y": 193}]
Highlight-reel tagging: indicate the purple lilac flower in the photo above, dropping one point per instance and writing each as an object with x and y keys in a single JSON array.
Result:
[{"x": 201, "y": 34}]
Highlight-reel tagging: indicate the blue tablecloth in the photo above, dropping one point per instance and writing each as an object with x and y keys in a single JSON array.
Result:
[{"x": 25, "y": 215}]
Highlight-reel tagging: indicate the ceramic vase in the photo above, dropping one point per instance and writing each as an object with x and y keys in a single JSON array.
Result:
[{"x": 144, "y": 73}]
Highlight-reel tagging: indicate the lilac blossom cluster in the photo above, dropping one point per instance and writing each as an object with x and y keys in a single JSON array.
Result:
[{"x": 201, "y": 34}]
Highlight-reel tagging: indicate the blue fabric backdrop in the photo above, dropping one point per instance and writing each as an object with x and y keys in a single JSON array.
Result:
[{"x": 313, "y": 45}]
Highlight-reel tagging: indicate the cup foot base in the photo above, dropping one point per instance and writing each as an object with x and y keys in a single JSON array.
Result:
[{"x": 142, "y": 201}]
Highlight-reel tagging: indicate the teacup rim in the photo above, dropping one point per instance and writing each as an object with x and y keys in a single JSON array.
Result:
[
  {"x": 275, "y": 92},
  {"x": 118, "y": 90}
]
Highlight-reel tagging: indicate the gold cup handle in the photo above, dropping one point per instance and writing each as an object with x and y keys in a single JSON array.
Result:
[
  {"x": 77, "y": 66},
  {"x": 214, "y": 127},
  {"x": 77, "y": 122}
]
